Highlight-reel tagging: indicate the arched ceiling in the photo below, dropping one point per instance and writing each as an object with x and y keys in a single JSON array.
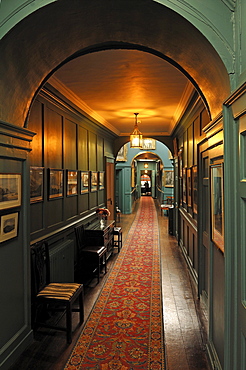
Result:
[
  {"x": 42, "y": 42},
  {"x": 117, "y": 83}
]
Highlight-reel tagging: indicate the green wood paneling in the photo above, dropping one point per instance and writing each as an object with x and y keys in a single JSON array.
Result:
[
  {"x": 53, "y": 139},
  {"x": 83, "y": 149},
  {"x": 92, "y": 151},
  {"x": 70, "y": 145},
  {"x": 35, "y": 125},
  {"x": 100, "y": 156}
]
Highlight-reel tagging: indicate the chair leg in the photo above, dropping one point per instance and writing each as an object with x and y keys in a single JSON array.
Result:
[
  {"x": 81, "y": 307},
  {"x": 69, "y": 322},
  {"x": 105, "y": 262}
]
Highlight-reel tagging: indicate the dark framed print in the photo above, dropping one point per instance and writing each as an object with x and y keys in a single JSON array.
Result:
[
  {"x": 188, "y": 176},
  {"x": 84, "y": 182},
  {"x": 55, "y": 183},
  {"x": 10, "y": 190},
  {"x": 36, "y": 184},
  {"x": 169, "y": 178},
  {"x": 184, "y": 185},
  {"x": 94, "y": 181},
  {"x": 217, "y": 205},
  {"x": 101, "y": 179},
  {"x": 194, "y": 188},
  {"x": 9, "y": 226},
  {"x": 72, "y": 183}
]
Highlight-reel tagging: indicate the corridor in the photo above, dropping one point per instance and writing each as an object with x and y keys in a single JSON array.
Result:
[{"x": 184, "y": 318}]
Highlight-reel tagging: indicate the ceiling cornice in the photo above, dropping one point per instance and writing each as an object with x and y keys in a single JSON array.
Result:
[{"x": 57, "y": 84}]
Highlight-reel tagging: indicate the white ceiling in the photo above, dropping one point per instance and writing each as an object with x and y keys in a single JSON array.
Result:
[{"x": 114, "y": 84}]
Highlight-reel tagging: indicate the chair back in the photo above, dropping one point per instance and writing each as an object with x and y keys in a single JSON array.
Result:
[
  {"x": 80, "y": 236},
  {"x": 40, "y": 266}
]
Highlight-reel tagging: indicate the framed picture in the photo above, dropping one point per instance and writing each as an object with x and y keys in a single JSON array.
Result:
[
  {"x": 148, "y": 143},
  {"x": 94, "y": 181},
  {"x": 36, "y": 184},
  {"x": 194, "y": 188},
  {"x": 10, "y": 190},
  {"x": 72, "y": 183},
  {"x": 55, "y": 183},
  {"x": 84, "y": 182},
  {"x": 184, "y": 186},
  {"x": 180, "y": 159},
  {"x": 122, "y": 154},
  {"x": 101, "y": 180},
  {"x": 217, "y": 205},
  {"x": 169, "y": 178},
  {"x": 9, "y": 226},
  {"x": 189, "y": 197}
]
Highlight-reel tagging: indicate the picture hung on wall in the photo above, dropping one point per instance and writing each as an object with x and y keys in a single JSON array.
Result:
[
  {"x": 72, "y": 183},
  {"x": 36, "y": 184},
  {"x": 101, "y": 180},
  {"x": 217, "y": 205},
  {"x": 169, "y": 178},
  {"x": 55, "y": 184},
  {"x": 180, "y": 161},
  {"x": 9, "y": 226},
  {"x": 180, "y": 191},
  {"x": 122, "y": 154},
  {"x": 194, "y": 188},
  {"x": 94, "y": 181},
  {"x": 184, "y": 186},
  {"x": 188, "y": 176},
  {"x": 84, "y": 183},
  {"x": 10, "y": 190},
  {"x": 148, "y": 143}
]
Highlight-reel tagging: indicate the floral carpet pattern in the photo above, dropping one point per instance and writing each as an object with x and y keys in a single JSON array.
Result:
[{"x": 125, "y": 328}]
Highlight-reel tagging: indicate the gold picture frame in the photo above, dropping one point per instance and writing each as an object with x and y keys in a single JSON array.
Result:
[
  {"x": 72, "y": 183},
  {"x": 8, "y": 226},
  {"x": 10, "y": 190},
  {"x": 36, "y": 184},
  {"x": 217, "y": 204},
  {"x": 84, "y": 182},
  {"x": 55, "y": 183}
]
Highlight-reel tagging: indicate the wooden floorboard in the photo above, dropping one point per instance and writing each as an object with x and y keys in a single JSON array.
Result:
[{"x": 185, "y": 319}]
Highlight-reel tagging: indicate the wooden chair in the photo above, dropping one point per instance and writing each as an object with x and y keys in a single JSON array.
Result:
[
  {"x": 167, "y": 204},
  {"x": 56, "y": 296},
  {"x": 90, "y": 258},
  {"x": 117, "y": 237}
]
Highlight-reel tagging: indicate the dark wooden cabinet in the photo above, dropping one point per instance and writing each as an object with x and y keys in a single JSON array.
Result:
[{"x": 101, "y": 233}]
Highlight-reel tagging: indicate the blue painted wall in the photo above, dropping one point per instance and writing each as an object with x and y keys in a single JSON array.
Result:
[{"x": 126, "y": 195}]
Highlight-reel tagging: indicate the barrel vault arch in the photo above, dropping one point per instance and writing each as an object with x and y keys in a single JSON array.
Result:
[{"x": 46, "y": 39}]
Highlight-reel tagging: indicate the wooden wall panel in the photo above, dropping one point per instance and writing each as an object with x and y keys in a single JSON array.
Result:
[
  {"x": 53, "y": 139},
  {"x": 82, "y": 149},
  {"x": 70, "y": 207},
  {"x": 196, "y": 138},
  {"x": 54, "y": 213},
  {"x": 70, "y": 145},
  {"x": 190, "y": 144},
  {"x": 92, "y": 151},
  {"x": 100, "y": 156},
  {"x": 36, "y": 219},
  {"x": 204, "y": 120},
  {"x": 35, "y": 125},
  {"x": 185, "y": 150}
]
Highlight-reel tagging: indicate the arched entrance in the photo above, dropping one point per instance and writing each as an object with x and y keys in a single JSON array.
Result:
[{"x": 98, "y": 26}]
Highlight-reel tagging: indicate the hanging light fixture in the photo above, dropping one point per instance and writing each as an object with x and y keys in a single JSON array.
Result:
[
  {"x": 146, "y": 165},
  {"x": 136, "y": 137}
]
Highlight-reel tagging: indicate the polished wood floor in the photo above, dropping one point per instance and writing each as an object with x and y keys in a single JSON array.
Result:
[{"x": 185, "y": 318}]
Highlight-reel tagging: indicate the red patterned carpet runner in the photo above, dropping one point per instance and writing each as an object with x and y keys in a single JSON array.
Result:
[{"x": 125, "y": 328}]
